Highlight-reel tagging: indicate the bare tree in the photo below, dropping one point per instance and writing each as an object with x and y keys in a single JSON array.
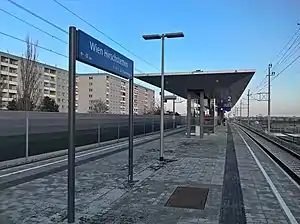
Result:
[
  {"x": 98, "y": 106},
  {"x": 156, "y": 107},
  {"x": 28, "y": 93}
]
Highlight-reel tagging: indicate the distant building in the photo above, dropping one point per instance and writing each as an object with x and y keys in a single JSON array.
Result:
[
  {"x": 114, "y": 92},
  {"x": 54, "y": 84},
  {"x": 54, "y": 81}
]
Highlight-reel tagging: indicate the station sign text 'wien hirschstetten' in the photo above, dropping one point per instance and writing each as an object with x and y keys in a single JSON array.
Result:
[{"x": 97, "y": 54}]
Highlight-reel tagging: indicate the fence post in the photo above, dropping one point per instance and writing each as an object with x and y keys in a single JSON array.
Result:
[
  {"x": 153, "y": 120},
  {"x": 99, "y": 132},
  {"x": 118, "y": 132},
  {"x": 27, "y": 135}
]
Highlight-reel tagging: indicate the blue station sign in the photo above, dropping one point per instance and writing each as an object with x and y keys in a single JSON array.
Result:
[
  {"x": 97, "y": 54},
  {"x": 226, "y": 103},
  {"x": 226, "y": 108}
]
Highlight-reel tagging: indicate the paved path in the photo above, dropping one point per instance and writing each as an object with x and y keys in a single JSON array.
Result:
[
  {"x": 220, "y": 162},
  {"x": 261, "y": 203},
  {"x": 101, "y": 186}
]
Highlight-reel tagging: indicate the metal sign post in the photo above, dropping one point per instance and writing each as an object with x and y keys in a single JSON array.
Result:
[
  {"x": 71, "y": 125},
  {"x": 130, "y": 149},
  {"x": 86, "y": 49},
  {"x": 162, "y": 93}
]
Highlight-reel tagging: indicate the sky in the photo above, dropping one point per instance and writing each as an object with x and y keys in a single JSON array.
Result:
[{"x": 219, "y": 35}]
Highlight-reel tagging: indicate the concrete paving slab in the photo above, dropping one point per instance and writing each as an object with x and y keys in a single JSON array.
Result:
[
  {"x": 103, "y": 195},
  {"x": 261, "y": 204}
]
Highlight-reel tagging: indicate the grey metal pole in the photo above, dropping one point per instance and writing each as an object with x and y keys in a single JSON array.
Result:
[
  {"x": 161, "y": 157},
  {"x": 269, "y": 97},
  {"x": 214, "y": 109},
  {"x": 248, "y": 106},
  {"x": 153, "y": 120},
  {"x": 71, "y": 124},
  {"x": 188, "y": 114},
  {"x": 201, "y": 114},
  {"x": 99, "y": 134},
  {"x": 27, "y": 135},
  {"x": 130, "y": 139},
  {"x": 241, "y": 102},
  {"x": 173, "y": 114},
  {"x": 118, "y": 131}
]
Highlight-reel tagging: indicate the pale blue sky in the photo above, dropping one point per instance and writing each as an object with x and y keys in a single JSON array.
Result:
[{"x": 219, "y": 34}]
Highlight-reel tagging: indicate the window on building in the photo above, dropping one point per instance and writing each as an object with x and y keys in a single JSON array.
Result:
[
  {"x": 13, "y": 70},
  {"x": 14, "y": 79},
  {"x": 90, "y": 84},
  {"x": 90, "y": 96},
  {"x": 14, "y": 87},
  {"x": 4, "y": 68},
  {"x": 13, "y": 61},
  {"x": 90, "y": 90},
  {"x": 12, "y": 95},
  {"x": 4, "y": 59},
  {"x": 90, "y": 77},
  {"x": 52, "y": 71},
  {"x": 4, "y": 77}
]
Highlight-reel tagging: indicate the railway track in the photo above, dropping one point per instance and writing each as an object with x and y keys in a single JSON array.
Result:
[{"x": 287, "y": 159}]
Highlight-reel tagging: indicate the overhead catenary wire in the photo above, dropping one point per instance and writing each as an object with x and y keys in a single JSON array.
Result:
[
  {"x": 261, "y": 83},
  {"x": 296, "y": 32},
  {"x": 104, "y": 34},
  {"x": 64, "y": 31},
  {"x": 292, "y": 52},
  {"x": 30, "y": 24},
  {"x": 283, "y": 70},
  {"x": 285, "y": 57},
  {"x": 33, "y": 44},
  {"x": 47, "y": 49},
  {"x": 49, "y": 34},
  {"x": 37, "y": 16},
  {"x": 290, "y": 64},
  {"x": 292, "y": 44}
]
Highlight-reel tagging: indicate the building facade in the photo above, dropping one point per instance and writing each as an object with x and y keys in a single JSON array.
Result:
[
  {"x": 53, "y": 81},
  {"x": 54, "y": 84},
  {"x": 114, "y": 91}
]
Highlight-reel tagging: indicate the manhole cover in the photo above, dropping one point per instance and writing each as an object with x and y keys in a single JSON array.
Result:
[{"x": 188, "y": 197}]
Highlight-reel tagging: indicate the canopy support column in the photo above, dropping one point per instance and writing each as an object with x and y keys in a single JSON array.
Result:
[
  {"x": 201, "y": 114},
  {"x": 189, "y": 113}
]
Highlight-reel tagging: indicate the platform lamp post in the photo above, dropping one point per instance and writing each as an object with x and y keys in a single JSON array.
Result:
[{"x": 162, "y": 37}]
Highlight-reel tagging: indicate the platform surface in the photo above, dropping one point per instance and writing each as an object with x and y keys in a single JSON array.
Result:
[{"x": 222, "y": 163}]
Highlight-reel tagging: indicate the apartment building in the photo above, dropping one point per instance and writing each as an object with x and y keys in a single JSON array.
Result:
[
  {"x": 114, "y": 92},
  {"x": 53, "y": 82}
]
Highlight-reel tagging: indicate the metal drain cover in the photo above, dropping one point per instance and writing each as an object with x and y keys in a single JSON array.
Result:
[{"x": 188, "y": 197}]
